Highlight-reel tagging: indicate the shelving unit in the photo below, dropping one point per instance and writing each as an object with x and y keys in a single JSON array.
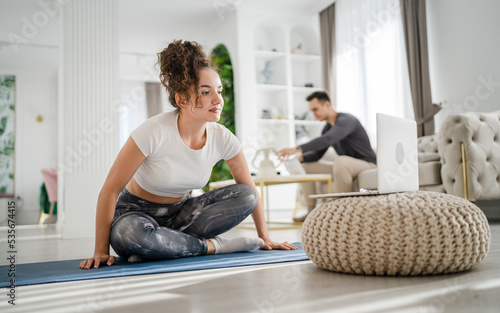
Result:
[{"x": 284, "y": 77}]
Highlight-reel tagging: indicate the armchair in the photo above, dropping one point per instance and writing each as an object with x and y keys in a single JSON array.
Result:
[
  {"x": 473, "y": 137},
  {"x": 469, "y": 147}
]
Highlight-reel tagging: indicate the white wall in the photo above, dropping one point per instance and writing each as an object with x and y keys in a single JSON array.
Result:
[
  {"x": 464, "y": 53},
  {"x": 226, "y": 33},
  {"x": 245, "y": 97}
]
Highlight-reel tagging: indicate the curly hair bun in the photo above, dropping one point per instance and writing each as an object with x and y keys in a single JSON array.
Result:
[{"x": 180, "y": 63}]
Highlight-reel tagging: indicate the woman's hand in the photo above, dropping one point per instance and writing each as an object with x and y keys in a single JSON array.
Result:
[
  {"x": 273, "y": 245},
  {"x": 97, "y": 259}
]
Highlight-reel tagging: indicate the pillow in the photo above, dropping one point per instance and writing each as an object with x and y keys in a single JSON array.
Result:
[{"x": 428, "y": 157}]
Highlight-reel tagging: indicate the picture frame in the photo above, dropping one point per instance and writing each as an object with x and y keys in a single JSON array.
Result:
[{"x": 7, "y": 134}]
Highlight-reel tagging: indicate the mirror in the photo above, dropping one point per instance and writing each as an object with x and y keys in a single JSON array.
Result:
[{"x": 29, "y": 62}]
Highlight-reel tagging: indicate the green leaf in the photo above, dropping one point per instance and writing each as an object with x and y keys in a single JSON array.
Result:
[
  {"x": 221, "y": 58},
  {"x": 3, "y": 124}
]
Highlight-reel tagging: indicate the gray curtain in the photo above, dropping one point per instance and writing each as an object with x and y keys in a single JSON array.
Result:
[
  {"x": 153, "y": 98},
  {"x": 415, "y": 33},
  {"x": 327, "y": 25}
]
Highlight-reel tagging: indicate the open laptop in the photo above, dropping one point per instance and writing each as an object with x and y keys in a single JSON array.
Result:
[{"x": 397, "y": 158}]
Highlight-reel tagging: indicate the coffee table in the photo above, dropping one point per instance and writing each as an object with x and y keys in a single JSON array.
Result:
[{"x": 277, "y": 180}]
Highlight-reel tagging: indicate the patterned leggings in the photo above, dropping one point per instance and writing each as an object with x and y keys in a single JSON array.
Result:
[{"x": 166, "y": 231}]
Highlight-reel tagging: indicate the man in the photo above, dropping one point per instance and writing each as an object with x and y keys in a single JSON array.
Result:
[{"x": 346, "y": 135}]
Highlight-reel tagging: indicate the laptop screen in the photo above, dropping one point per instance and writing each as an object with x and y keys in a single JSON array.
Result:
[{"x": 397, "y": 154}]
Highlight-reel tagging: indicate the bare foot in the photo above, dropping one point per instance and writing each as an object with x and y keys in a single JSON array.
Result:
[{"x": 211, "y": 247}]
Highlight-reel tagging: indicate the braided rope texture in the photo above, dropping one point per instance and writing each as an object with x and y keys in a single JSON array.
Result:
[{"x": 400, "y": 234}]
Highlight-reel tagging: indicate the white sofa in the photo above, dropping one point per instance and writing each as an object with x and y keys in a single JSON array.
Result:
[
  {"x": 429, "y": 168},
  {"x": 440, "y": 158}
]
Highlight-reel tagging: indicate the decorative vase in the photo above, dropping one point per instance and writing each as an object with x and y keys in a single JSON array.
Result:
[{"x": 267, "y": 73}]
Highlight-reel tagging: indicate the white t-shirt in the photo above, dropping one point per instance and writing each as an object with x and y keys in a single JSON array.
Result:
[{"x": 171, "y": 168}]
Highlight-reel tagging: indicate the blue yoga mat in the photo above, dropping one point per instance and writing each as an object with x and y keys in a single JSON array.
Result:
[{"x": 69, "y": 270}]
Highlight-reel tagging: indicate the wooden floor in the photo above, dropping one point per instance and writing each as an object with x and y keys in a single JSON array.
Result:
[{"x": 288, "y": 287}]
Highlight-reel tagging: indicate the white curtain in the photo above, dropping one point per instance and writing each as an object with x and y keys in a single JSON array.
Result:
[{"x": 372, "y": 72}]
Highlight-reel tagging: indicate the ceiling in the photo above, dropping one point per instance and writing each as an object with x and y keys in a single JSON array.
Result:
[
  {"x": 194, "y": 19},
  {"x": 144, "y": 26},
  {"x": 140, "y": 21}
]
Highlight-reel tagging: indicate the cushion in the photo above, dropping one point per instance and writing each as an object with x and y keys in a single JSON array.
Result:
[
  {"x": 368, "y": 179},
  {"x": 409, "y": 233},
  {"x": 428, "y": 157},
  {"x": 429, "y": 174},
  {"x": 427, "y": 144}
]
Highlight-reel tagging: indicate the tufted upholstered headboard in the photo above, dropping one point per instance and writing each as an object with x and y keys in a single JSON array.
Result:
[
  {"x": 427, "y": 148},
  {"x": 427, "y": 144},
  {"x": 480, "y": 133}
]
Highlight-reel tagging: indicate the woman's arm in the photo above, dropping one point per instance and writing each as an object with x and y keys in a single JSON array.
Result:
[
  {"x": 126, "y": 164},
  {"x": 239, "y": 169}
]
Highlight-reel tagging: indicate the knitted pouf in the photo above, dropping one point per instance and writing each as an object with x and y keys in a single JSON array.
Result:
[{"x": 410, "y": 233}]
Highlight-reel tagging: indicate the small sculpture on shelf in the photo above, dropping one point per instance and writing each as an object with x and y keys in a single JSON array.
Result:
[
  {"x": 298, "y": 49},
  {"x": 266, "y": 114},
  {"x": 302, "y": 135},
  {"x": 275, "y": 113},
  {"x": 267, "y": 73}
]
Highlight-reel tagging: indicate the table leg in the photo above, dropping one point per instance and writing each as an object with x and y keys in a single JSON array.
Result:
[
  {"x": 268, "y": 210},
  {"x": 298, "y": 205},
  {"x": 265, "y": 200},
  {"x": 265, "y": 203}
]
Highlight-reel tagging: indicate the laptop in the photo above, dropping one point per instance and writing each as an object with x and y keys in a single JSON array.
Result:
[
  {"x": 397, "y": 158},
  {"x": 294, "y": 167}
]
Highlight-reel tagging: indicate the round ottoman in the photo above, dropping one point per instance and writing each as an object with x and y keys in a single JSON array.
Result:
[{"x": 409, "y": 233}]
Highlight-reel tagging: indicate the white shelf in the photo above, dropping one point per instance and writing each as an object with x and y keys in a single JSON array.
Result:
[
  {"x": 289, "y": 72},
  {"x": 269, "y": 55},
  {"x": 309, "y": 123},
  {"x": 306, "y": 89},
  {"x": 306, "y": 58},
  {"x": 273, "y": 120},
  {"x": 271, "y": 87}
]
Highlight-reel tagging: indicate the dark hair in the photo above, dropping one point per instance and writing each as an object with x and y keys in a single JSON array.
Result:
[
  {"x": 180, "y": 63},
  {"x": 322, "y": 96}
]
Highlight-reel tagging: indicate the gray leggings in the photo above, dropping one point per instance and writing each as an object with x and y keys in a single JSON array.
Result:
[{"x": 168, "y": 231}]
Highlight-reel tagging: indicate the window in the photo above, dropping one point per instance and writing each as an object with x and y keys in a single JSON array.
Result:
[{"x": 372, "y": 73}]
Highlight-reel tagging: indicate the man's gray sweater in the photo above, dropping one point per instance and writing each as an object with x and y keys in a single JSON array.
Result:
[{"x": 347, "y": 137}]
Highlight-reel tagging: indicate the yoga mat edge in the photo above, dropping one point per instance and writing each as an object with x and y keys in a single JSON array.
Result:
[{"x": 68, "y": 270}]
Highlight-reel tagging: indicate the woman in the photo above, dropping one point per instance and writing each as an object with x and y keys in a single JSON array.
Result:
[{"x": 144, "y": 209}]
